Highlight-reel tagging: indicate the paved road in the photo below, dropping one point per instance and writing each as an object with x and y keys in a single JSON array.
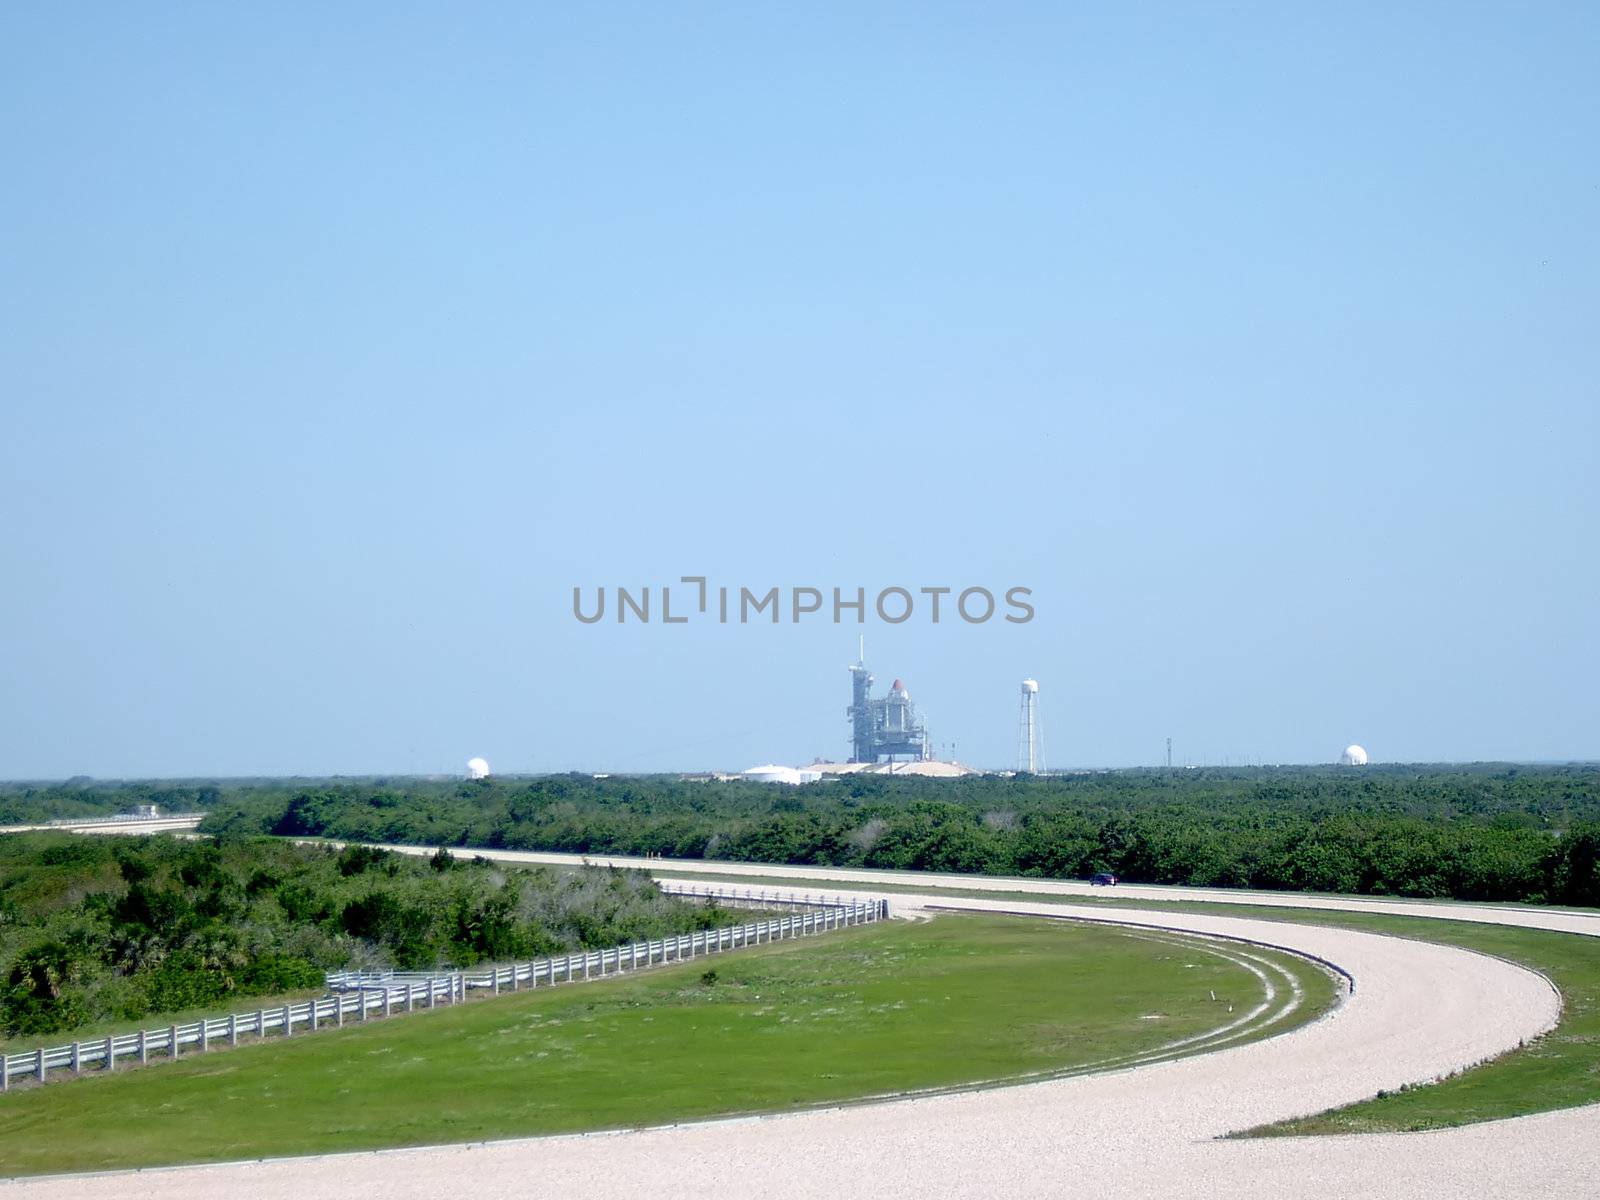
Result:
[
  {"x": 175, "y": 824},
  {"x": 1418, "y": 1011},
  {"x": 1564, "y": 920}
]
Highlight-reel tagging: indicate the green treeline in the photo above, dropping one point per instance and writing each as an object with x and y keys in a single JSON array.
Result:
[
  {"x": 82, "y": 798},
  {"x": 1478, "y": 833},
  {"x": 113, "y": 928}
]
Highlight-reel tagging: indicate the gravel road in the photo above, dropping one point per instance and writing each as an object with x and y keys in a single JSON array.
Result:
[{"x": 1418, "y": 1011}]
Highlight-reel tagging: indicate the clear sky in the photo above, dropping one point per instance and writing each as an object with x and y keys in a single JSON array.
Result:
[{"x": 339, "y": 343}]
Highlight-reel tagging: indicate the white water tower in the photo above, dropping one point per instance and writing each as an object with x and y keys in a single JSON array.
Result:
[{"x": 1030, "y": 734}]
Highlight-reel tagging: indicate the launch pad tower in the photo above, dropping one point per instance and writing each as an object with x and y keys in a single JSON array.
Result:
[{"x": 889, "y": 728}]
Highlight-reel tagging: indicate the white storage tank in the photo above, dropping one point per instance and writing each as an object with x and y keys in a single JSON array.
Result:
[{"x": 773, "y": 773}]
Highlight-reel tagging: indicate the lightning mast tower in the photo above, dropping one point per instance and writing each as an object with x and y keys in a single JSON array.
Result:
[
  {"x": 860, "y": 710},
  {"x": 1030, "y": 734}
]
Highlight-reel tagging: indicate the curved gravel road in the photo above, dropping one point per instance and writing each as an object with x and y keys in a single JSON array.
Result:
[{"x": 1418, "y": 1011}]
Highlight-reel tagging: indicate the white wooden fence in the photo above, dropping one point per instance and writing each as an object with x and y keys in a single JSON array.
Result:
[{"x": 360, "y": 996}]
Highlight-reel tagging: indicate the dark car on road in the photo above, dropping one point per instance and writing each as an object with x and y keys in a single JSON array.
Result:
[{"x": 1104, "y": 879}]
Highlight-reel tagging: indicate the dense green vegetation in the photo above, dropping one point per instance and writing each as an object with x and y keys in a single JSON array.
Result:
[
  {"x": 865, "y": 1012},
  {"x": 109, "y": 928},
  {"x": 81, "y": 797},
  {"x": 1478, "y": 833}
]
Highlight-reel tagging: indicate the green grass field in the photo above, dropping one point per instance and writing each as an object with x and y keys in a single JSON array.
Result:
[
  {"x": 1559, "y": 1070},
  {"x": 887, "y": 1009}
]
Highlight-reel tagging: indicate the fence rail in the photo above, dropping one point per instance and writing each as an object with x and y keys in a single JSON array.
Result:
[{"x": 358, "y": 996}]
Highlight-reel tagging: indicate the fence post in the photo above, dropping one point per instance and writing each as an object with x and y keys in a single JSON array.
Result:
[
  {"x": 144, "y": 1052},
  {"x": 338, "y": 1011},
  {"x": 172, "y": 1041},
  {"x": 233, "y": 1029},
  {"x": 388, "y": 1004},
  {"x": 5, "y": 1072},
  {"x": 205, "y": 1035},
  {"x": 38, "y": 1063},
  {"x": 288, "y": 1025},
  {"x": 311, "y": 1016},
  {"x": 77, "y": 1063}
]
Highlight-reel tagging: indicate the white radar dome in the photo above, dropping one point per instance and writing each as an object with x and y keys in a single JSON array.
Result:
[
  {"x": 1353, "y": 756},
  {"x": 477, "y": 768}
]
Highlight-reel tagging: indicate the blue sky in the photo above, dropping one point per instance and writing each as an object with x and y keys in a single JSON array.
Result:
[{"x": 338, "y": 346}]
